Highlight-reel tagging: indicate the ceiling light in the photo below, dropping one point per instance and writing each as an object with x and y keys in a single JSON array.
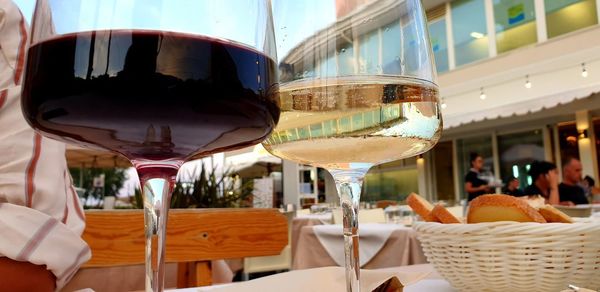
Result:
[{"x": 477, "y": 35}]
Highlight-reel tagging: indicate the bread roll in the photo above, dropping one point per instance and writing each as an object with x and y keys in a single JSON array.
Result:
[
  {"x": 421, "y": 207},
  {"x": 443, "y": 215},
  {"x": 492, "y": 208},
  {"x": 552, "y": 214}
]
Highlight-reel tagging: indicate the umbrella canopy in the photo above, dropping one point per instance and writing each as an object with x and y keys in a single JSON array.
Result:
[{"x": 85, "y": 157}]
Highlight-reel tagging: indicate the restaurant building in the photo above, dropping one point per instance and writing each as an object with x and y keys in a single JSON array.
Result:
[{"x": 518, "y": 82}]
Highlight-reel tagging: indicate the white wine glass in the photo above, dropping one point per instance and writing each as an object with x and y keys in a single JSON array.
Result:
[
  {"x": 158, "y": 81},
  {"x": 358, "y": 88}
]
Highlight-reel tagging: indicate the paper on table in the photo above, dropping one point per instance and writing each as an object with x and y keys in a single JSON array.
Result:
[
  {"x": 319, "y": 279},
  {"x": 372, "y": 237}
]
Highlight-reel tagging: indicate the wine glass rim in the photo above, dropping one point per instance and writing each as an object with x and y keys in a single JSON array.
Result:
[
  {"x": 360, "y": 79},
  {"x": 149, "y": 31}
]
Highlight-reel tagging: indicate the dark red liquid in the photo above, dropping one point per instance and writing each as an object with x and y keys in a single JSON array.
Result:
[{"x": 150, "y": 95}]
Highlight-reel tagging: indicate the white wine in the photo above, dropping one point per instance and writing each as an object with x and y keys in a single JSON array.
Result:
[{"x": 331, "y": 123}]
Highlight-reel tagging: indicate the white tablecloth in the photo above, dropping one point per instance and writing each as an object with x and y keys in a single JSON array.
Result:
[
  {"x": 431, "y": 283},
  {"x": 372, "y": 238}
]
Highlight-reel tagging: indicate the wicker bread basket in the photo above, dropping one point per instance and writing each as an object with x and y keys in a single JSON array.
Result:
[{"x": 511, "y": 256}]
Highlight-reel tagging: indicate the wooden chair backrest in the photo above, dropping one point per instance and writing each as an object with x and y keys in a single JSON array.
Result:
[{"x": 195, "y": 236}]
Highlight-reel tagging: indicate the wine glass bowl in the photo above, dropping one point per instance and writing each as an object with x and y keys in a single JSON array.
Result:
[
  {"x": 358, "y": 88},
  {"x": 160, "y": 82}
]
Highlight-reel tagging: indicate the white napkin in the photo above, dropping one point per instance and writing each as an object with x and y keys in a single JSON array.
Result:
[
  {"x": 372, "y": 238},
  {"x": 329, "y": 279},
  {"x": 325, "y": 218}
]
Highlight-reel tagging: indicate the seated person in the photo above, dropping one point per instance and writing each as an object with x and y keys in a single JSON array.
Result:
[
  {"x": 593, "y": 192},
  {"x": 512, "y": 187},
  {"x": 40, "y": 218},
  {"x": 545, "y": 181},
  {"x": 571, "y": 193}
]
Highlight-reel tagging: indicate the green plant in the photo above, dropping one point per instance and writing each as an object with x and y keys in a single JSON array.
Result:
[{"x": 206, "y": 191}]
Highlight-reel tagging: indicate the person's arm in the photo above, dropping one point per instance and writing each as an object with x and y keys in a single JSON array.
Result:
[
  {"x": 25, "y": 276},
  {"x": 471, "y": 189},
  {"x": 553, "y": 197}
]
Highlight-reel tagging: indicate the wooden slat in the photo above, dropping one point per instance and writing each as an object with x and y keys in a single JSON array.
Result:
[
  {"x": 436, "y": 12},
  {"x": 117, "y": 237}
]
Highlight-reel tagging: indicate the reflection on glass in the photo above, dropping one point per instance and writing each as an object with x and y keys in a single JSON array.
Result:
[
  {"x": 469, "y": 31},
  {"x": 515, "y": 24},
  {"x": 563, "y": 16},
  {"x": 517, "y": 151},
  {"x": 391, "y": 47},
  {"x": 391, "y": 181},
  {"x": 439, "y": 43}
]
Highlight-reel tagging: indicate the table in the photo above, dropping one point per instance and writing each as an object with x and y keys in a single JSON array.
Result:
[
  {"x": 432, "y": 283},
  {"x": 401, "y": 248}
]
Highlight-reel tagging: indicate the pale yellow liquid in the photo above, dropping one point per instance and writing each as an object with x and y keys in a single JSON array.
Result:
[{"x": 331, "y": 123}]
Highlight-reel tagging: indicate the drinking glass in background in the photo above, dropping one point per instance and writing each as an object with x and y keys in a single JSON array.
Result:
[
  {"x": 159, "y": 82},
  {"x": 358, "y": 88}
]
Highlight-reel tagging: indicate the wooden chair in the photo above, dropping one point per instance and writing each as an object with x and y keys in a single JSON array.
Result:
[
  {"x": 384, "y": 203},
  {"x": 194, "y": 238}
]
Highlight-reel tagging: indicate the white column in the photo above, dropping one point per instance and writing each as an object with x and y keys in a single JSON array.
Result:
[
  {"x": 547, "y": 144},
  {"x": 450, "y": 38},
  {"x": 587, "y": 151},
  {"x": 557, "y": 158},
  {"x": 331, "y": 195},
  {"x": 496, "y": 159},
  {"x": 491, "y": 27},
  {"x": 455, "y": 174},
  {"x": 540, "y": 21},
  {"x": 422, "y": 182},
  {"x": 598, "y": 10},
  {"x": 291, "y": 182}
]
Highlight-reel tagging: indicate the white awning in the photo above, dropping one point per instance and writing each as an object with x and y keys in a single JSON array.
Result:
[{"x": 554, "y": 69}]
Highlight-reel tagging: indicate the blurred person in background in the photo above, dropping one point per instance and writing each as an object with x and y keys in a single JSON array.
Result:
[
  {"x": 545, "y": 181},
  {"x": 592, "y": 192},
  {"x": 570, "y": 190},
  {"x": 474, "y": 185},
  {"x": 512, "y": 187}
]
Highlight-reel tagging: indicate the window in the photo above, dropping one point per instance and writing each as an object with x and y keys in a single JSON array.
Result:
[
  {"x": 368, "y": 60},
  {"x": 391, "y": 48},
  {"x": 517, "y": 151},
  {"x": 469, "y": 31},
  {"x": 481, "y": 145},
  {"x": 391, "y": 181},
  {"x": 439, "y": 44},
  {"x": 567, "y": 140},
  {"x": 444, "y": 179},
  {"x": 346, "y": 60},
  {"x": 515, "y": 24},
  {"x": 563, "y": 16}
]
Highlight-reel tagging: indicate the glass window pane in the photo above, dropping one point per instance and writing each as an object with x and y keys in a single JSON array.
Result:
[
  {"x": 563, "y": 16},
  {"x": 346, "y": 60},
  {"x": 368, "y": 59},
  {"x": 392, "y": 39},
  {"x": 515, "y": 24},
  {"x": 439, "y": 44},
  {"x": 517, "y": 151},
  {"x": 469, "y": 31},
  {"x": 316, "y": 130},
  {"x": 390, "y": 184},
  {"x": 481, "y": 145}
]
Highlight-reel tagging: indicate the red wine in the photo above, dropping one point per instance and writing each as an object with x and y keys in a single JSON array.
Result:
[{"x": 150, "y": 95}]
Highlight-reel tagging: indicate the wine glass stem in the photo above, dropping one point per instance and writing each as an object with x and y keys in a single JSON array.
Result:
[
  {"x": 157, "y": 197},
  {"x": 348, "y": 184}
]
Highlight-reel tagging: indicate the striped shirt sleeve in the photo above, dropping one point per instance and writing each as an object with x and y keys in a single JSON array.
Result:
[{"x": 41, "y": 220}]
